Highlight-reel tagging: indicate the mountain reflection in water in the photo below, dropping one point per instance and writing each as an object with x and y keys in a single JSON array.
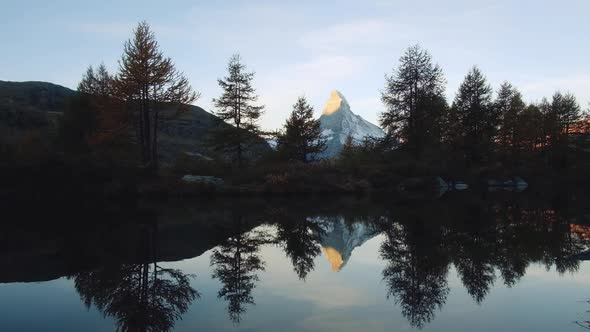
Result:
[{"x": 117, "y": 258}]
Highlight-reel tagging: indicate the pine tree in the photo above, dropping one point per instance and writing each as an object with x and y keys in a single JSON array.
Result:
[
  {"x": 475, "y": 115},
  {"x": 567, "y": 111},
  {"x": 111, "y": 116},
  {"x": 545, "y": 108},
  {"x": 509, "y": 107},
  {"x": 414, "y": 100},
  {"x": 564, "y": 112},
  {"x": 301, "y": 138},
  {"x": 237, "y": 106},
  {"x": 529, "y": 134},
  {"x": 148, "y": 80},
  {"x": 348, "y": 148},
  {"x": 97, "y": 82}
]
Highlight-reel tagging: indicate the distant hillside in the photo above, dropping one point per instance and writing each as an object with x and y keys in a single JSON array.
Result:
[
  {"x": 39, "y": 105},
  {"x": 33, "y": 96},
  {"x": 31, "y": 105},
  {"x": 187, "y": 133}
]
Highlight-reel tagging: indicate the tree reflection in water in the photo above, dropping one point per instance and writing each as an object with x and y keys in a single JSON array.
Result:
[
  {"x": 486, "y": 243},
  {"x": 416, "y": 270},
  {"x": 299, "y": 236},
  {"x": 235, "y": 263},
  {"x": 140, "y": 297},
  {"x": 481, "y": 241}
]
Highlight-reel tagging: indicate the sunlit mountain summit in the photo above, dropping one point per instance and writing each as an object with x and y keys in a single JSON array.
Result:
[
  {"x": 338, "y": 122},
  {"x": 340, "y": 238}
]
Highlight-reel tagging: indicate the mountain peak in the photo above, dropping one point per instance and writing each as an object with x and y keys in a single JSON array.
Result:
[
  {"x": 338, "y": 122},
  {"x": 336, "y": 103}
]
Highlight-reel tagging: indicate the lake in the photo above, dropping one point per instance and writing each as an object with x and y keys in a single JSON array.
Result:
[{"x": 462, "y": 262}]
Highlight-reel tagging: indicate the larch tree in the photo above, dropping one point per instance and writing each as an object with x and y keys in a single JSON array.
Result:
[
  {"x": 237, "y": 106},
  {"x": 475, "y": 115},
  {"x": 529, "y": 136},
  {"x": 149, "y": 80},
  {"x": 348, "y": 149},
  {"x": 112, "y": 120},
  {"x": 567, "y": 111},
  {"x": 509, "y": 107},
  {"x": 97, "y": 82},
  {"x": 564, "y": 112},
  {"x": 83, "y": 123},
  {"x": 414, "y": 100},
  {"x": 301, "y": 138}
]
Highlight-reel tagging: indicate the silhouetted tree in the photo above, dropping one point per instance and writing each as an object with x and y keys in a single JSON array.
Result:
[
  {"x": 476, "y": 119},
  {"x": 509, "y": 107},
  {"x": 237, "y": 106},
  {"x": 299, "y": 237},
  {"x": 474, "y": 261},
  {"x": 110, "y": 113},
  {"x": 512, "y": 254},
  {"x": 140, "y": 297},
  {"x": 78, "y": 124},
  {"x": 148, "y": 80},
  {"x": 97, "y": 82},
  {"x": 235, "y": 263},
  {"x": 414, "y": 100},
  {"x": 564, "y": 112},
  {"x": 416, "y": 271},
  {"x": 347, "y": 154},
  {"x": 529, "y": 136},
  {"x": 301, "y": 138}
]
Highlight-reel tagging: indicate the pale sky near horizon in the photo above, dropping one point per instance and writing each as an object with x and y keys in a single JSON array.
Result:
[{"x": 308, "y": 47}]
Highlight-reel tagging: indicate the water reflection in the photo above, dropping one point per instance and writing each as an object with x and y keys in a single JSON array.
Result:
[
  {"x": 140, "y": 297},
  {"x": 299, "y": 236},
  {"x": 235, "y": 263},
  {"x": 487, "y": 242},
  {"x": 479, "y": 240},
  {"x": 417, "y": 265}
]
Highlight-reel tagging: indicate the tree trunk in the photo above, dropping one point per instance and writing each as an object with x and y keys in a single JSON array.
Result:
[
  {"x": 147, "y": 129},
  {"x": 155, "y": 142}
]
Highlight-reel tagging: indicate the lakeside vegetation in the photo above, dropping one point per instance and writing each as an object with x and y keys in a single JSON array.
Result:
[{"x": 107, "y": 140}]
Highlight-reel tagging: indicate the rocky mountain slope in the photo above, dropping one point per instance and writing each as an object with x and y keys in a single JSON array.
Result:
[
  {"x": 340, "y": 238},
  {"x": 338, "y": 122}
]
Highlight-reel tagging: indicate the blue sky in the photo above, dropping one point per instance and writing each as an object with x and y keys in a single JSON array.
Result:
[{"x": 308, "y": 47}]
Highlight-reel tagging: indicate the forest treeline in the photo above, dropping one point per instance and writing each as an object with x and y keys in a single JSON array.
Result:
[{"x": 116, "y": 117}]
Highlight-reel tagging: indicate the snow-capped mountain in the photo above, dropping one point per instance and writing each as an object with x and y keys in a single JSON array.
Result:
[
  {"x": 341, "y": 238},
  {"x": 338, "y": 122}
]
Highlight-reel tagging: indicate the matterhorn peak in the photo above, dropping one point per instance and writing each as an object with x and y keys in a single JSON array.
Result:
[
  {"x": 336, "y": 103},
  {"x": 338, "y": 122}
]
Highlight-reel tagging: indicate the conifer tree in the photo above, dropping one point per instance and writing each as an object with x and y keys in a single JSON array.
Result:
[
  {"x": 348, "y": 148},
  {"x": 301, "y": 138},
  {"x": 564, "y": 112},
  {"x": 111, "y": 117},
  {"x": 414, "y": 100},
  {"x": 97, "y": 82},
  {"x": 509, "y": 107},
  {"x": 148, "y": 80},
  {"x": 475, "y": 115},
  {"x": 545, "y": 108},
  {"x": 529, "y": 134},
  {"x": 237, "y": 105}
]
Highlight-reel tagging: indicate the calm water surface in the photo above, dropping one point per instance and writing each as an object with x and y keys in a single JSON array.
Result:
[{"x": 464, "y": 264}]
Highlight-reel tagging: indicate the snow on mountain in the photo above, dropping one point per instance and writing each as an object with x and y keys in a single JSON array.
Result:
[
  {"x": 338, "y": 122},
  {"x": 340, "y": 238}
]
